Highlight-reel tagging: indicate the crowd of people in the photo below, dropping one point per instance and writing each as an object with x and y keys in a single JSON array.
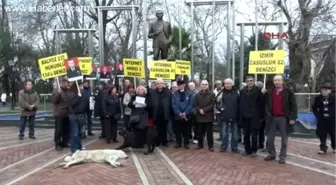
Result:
[{"x": 183, "y": 114}]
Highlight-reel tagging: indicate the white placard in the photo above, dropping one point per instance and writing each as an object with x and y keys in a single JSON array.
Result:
[{"x": 140, "y": 100}]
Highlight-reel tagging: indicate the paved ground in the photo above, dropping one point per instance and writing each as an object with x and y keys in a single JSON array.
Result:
[{"x": 30, "y": 162}]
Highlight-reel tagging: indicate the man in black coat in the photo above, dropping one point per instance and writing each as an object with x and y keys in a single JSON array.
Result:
[
  {"x": 161, "y": 107},
  {"x": 324, "y": 110},
  {"x": 98, "y": 109},
  {"x": 250, "y": 115}
]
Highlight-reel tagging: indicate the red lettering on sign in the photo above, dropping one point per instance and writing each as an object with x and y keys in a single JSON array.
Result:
[{"x": 275, "y": 35}]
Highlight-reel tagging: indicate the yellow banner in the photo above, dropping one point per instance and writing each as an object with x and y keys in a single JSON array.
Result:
[
  {"x": 134, "y": 67},
  {"x": 162, "y": 69},
  {"x": 51, "y": 67},
  {"x": 267, "y": 62},
  {"x": 182, "y": 67},
  {"x": 85, "y": 65}
]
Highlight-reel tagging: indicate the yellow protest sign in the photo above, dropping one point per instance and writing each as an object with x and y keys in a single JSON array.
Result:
[
  {"x": 134, "y": 67},
  {"x": 85, "y": 65},
  {"x": 182, "y": 67},
  {"x": 162, "y": 69},
  {"x": 267, "y": 62},
  {"x": 53, "y": 66}
]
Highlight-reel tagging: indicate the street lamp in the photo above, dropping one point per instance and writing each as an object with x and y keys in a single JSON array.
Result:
[{"x": 12, "y": 76}]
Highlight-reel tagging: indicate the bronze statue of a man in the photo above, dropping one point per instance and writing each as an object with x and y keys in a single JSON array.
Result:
[{"x": 161, "y": 33}]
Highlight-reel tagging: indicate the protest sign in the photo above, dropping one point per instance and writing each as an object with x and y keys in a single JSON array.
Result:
[
  {"x": 182, "y": 67},
  {"x": 162, "y": 69},
  {"x": 267, "y": 62},
  {"x": 134, "y": 67},
  {"x": 53, "y": 66},
  {"x": 85, "y": 65},
  {"x": 105, "y": 72},
  {"x": 72, "y": 69}
]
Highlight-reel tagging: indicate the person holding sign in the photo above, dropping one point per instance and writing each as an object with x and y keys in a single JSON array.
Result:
[
  {"x": 73, "y": 71},
  {"x": 281, "y": 109},
  {"x": 77, "y": 107},
  {"x": 60, "y": 101}
]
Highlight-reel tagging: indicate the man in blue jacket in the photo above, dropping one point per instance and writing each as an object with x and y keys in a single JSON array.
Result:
[{"x": 182, "y": 104}]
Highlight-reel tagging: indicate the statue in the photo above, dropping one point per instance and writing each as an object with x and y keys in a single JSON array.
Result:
[{"x": 161, "y": 33}]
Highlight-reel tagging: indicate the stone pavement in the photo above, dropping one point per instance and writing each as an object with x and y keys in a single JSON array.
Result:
[{"x": 30, "y": 162}]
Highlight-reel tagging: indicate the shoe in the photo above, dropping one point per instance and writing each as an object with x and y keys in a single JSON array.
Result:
[
  {"x": 282, "y": 161},
  {"x": 211, "y": 149},
  {"x": 246, "y": 153},
  {"x": 177, "y": 146},
  {"x": 20, "y": 137},
  {"x": 254, "y": 154},
  {"x": 32, "y": 137},
  {"x": 115, "y": 141},
  {"x": 223, "y": 150},
  {"x": 59, "y": 148},
  {"x": 322, "y": 152},
  {"x": 90, "y": 134},
  {"x": 269, "y": 158},
  {"x": 235, "y": 151},
  {"x": 334, "y": 151},
  {"x": 186, "y": 147}
]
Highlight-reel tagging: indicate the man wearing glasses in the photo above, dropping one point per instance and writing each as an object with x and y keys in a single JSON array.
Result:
[{"x": 250, "y": 115}]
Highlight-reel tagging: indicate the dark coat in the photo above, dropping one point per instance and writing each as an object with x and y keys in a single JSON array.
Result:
[
  {"x": 98, "y": 109},
  {"x": 230, "y": 105},
  {"x": 77, "y": 105},
  {"x": 289, "y": 103},
  {"x": 26, "y": 99},
  {"x": 144, "y": 112},
  {"x": 206, "y": 102},
  {"x": 111, "y": 106},
  {"x": 166, "y": 100},
  {"x": 61, "y": 103},
  {"x": 86, "y": 93},
  {"x": 182, "y": 107},
  {"x": 318, "y": 108},
  {"x": 251, "y": 106}
]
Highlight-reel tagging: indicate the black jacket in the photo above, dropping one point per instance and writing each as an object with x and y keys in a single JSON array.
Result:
[
  {"x": 318, "y": 108},
  {"x": 111, "y": 106},
  {"x": 76, "y": 104},
  {"x": 251, "y": 106},
  {"x": 165, "y": 97},
  {"x": 144, "y": 112},
  {"x": 99, "y": 97},
  {"x": 230, "y": 105}
]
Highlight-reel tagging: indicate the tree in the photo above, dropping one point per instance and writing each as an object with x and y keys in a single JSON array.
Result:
[{"x": 186, "y": 44}]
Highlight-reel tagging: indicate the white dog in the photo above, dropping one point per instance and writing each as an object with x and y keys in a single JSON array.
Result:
[{"x": 110, "y": 156}]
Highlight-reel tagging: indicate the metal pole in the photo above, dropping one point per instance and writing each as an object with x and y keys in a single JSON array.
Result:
[
  {"x": 58, "y": 44},
  {"x": 192, "y": 39},
  {"x": 134, "y": 37},
  {"x": 228, "y": 47},
  {"x": 256, "y": 32},
  {"x": 280, "y": 40},
  {"x": 234, "y": 41},
  {"x": 144, "y": 32},
  {"x": 91, "y": 55},
  {"x": 180, "y": 29},
  {"x": 242, "y": 57},
  {"x": 101, "y": 36},
  {"x": 213, "y": 46}
]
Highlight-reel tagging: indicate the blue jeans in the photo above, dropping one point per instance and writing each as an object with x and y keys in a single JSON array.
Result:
[
  {"x": 76, "y": 141},
  {"x": 225, "y": 135},
  {"x": 31, "y": 122}
]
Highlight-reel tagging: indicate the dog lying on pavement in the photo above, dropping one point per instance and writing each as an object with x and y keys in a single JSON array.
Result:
[{"x": 110, "y": 156}]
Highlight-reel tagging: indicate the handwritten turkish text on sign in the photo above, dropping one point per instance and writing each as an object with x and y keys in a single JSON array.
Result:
[
  {"x": 162, "y": 69},
  {"x": 182, "y": 67},
  {"x": 267, "y": 62},
  {"x": 85, "y": 65},
  {"x": 134, "y": 67},
  {"x": 51, "y": 67}
]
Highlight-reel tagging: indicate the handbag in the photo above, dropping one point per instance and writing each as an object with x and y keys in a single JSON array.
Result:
[{"x": 134, "y": 119}]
